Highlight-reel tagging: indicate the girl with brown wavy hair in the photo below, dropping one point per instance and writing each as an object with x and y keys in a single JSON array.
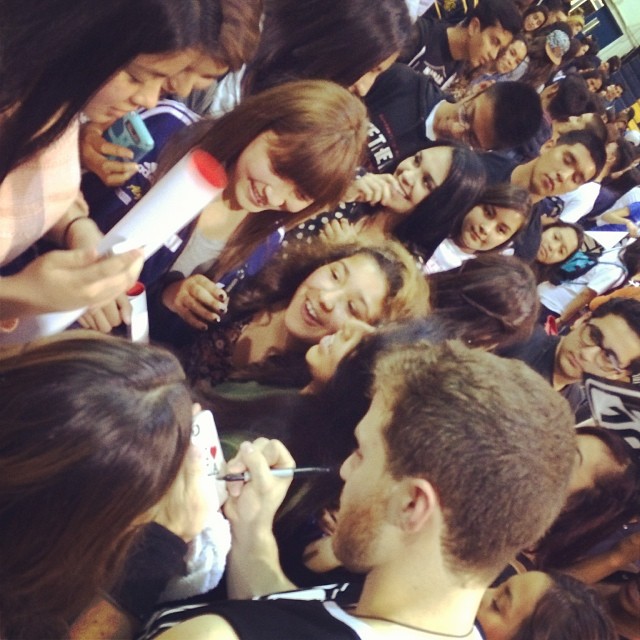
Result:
[{"x": 93, "y": 433}]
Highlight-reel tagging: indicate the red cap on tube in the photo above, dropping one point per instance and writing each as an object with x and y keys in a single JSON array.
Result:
[{"x": 209, "y": 168}]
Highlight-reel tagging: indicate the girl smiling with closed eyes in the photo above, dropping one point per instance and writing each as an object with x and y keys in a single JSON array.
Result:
[{"x": 288, "y": 151}]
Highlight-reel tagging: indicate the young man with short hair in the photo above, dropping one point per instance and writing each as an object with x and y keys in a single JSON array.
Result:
[
  {"x": 573, "y": 159},
  {"x": 605, "y": 343},
  {"x": 578, "y": 203},
  {"x": 443, "y": 488},
  {"x": 409, "y": 113},
  {"x": 438, "y": 49}
]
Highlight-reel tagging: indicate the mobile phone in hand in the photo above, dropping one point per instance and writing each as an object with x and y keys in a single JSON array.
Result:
[{"x": 130, "y": 131}]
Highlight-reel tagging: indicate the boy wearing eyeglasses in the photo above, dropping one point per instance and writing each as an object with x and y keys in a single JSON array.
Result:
[{"x": 605, "y": 343}]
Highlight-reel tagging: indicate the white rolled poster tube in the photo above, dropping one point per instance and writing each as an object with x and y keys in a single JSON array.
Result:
[{"x": 175, "y": 200}]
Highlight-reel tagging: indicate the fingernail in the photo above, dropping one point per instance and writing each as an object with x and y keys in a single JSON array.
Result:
[{"x": 247, "y": 447}]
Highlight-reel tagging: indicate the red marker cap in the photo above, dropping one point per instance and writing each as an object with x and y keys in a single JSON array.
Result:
[
  {"x": 136, "y": 290},
  {"x": 209, "y": 168}
]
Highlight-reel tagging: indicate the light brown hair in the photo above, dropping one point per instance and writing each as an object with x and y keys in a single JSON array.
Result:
[
  {"x": 93, "y": 433},
  {"x": 464, "y": 420},
  {"x": 321, "y": 131},
  {"x": 237, "y": 41}
]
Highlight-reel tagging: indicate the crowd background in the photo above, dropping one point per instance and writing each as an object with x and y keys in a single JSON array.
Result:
[{"x": 398, "y": 173}]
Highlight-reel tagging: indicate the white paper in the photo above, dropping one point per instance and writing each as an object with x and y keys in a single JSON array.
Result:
[{"x": 607, "y": 239}]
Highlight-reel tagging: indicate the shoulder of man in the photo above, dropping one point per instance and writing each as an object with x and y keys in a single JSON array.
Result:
[
  {"x": 431, "y": 54},
  {"x": 499, "y": 166},
  {"x": 252, "y": 620},
  {"x": 536, "y": 351}
]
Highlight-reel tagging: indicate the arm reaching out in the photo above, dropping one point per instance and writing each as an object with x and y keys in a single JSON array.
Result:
[
  {"x": 66, "y": 280},
  {"x": 622, "y": 216},
  {"x": 77, "y": 231},
  {"x": 253, "y": 566}
]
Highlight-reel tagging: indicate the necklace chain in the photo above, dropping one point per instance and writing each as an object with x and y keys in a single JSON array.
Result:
[{"x": 409, "y": 626}]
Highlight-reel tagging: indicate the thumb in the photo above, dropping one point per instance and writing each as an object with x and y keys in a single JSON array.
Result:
[{"x": 76, "y": 257}]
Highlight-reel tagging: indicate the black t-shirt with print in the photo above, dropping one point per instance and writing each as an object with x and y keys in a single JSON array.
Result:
[
  {"x": 451, "y": 11},
  {"x": 430, "y": 52},
  {"x": 399, "y": 103}
]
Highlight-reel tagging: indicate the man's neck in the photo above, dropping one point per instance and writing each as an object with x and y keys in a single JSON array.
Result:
[
  {"x": 424, "y": 599},
  {"x": 458, "y": 39},
  {"x": 521, "y": 177}
]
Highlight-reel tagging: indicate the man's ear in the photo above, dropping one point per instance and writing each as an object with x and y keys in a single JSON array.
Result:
[
  {"x": 417, "y": 503},
  {"x": 549, "y": 144},
  {"x": 551, "y": 90},
  {"x": 474, "y": 27},
  {"x": 581, "y": 320}
]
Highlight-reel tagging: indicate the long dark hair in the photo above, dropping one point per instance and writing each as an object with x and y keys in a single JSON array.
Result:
[
  {"x": 505, "y": 195},
  {"x": 338, "y": 40},
  {"x": 54, "y": 58},
  {"x": 568, "y": 609},
  {"x": 492, "y": 300},
  {"x": 591, "y": 515},
  {"x": 432, "y": 220},
  {"x": 94, "y": 431}
]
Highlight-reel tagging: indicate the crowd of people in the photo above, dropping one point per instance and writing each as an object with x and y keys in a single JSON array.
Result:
[{"x": 424, "y": 246}]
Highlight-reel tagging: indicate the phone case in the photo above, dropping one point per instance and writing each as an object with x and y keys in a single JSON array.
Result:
[{"x": 130, "y": 131}]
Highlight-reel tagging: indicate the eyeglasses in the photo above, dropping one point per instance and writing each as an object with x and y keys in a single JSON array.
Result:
[
  {"x": 466, "y": 117},
  {"x": 607, "y": 360}
]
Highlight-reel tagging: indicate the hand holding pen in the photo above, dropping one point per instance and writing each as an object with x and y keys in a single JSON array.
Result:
[
  {"x": 253, "y": 504},
  {"x": 290, "y": 472}
]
